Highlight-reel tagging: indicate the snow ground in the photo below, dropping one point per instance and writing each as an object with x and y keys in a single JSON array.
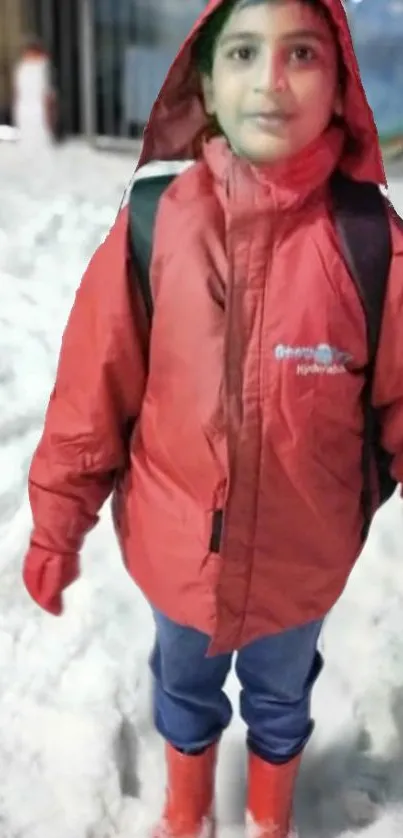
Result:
[{"x": 78, "y": 755}]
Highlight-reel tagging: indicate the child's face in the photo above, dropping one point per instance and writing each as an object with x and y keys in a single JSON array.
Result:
[{"x": 274, "y": 84}]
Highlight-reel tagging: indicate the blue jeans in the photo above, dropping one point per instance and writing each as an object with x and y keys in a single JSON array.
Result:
[{"x": 276, "y": 673}]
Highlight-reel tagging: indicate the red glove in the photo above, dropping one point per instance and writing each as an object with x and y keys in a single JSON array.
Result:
[{"x": 46, "y": 575}]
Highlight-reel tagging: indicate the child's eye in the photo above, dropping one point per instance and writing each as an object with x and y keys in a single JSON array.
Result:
[
  {"x": 302, "y": 55},
  {"x": 242, "y": 54}
]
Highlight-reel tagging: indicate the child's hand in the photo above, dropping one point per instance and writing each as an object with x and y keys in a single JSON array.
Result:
[{"x": 47, "y": 575}]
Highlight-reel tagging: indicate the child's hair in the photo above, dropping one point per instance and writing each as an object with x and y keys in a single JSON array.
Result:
[
  {"x": 204, "y": 48},
  {"x": 33, "y": 44}
]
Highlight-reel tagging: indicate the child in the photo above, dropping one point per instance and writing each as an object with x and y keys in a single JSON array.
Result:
[
  {"x": 237, "y": 499},
  {"x": 34, "y": 98}
]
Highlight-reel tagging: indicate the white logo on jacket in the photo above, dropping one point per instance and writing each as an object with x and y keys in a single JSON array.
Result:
[{"x": 321, "y": 359}]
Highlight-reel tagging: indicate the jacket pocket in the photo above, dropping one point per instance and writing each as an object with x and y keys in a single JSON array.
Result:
[
  {"x": 217, "y": 522},
  {"x": 338, "y": 425}
]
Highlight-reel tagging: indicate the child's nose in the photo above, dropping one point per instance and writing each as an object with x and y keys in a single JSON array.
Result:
[{"x": 271, "y": 75}]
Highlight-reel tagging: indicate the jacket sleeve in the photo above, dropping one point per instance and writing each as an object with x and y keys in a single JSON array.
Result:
[
  {"x": 388, "y": 384},
  {"x": 99, "y": 387}
]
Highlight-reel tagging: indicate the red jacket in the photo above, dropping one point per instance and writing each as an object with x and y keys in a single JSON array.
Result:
[{"x": 250, "y": 291}]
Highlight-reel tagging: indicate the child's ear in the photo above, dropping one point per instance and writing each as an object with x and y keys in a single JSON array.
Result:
[{"x": 208, "y": 94}]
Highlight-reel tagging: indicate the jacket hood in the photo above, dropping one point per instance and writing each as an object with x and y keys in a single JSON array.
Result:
[{"x": 178, "y": 120}]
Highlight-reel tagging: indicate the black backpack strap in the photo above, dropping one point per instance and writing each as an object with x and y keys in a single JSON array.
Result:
[
  {"x": 143, "y": 204},
  {"x": 362, "y": 222}
]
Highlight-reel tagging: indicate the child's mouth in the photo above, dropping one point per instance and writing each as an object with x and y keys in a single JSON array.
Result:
[{"x": 270, "y": 121}]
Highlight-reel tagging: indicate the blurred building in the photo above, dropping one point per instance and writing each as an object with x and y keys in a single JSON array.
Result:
[
  {"x": 109, "y": 57},
  {"x": 10, "y": 40}
]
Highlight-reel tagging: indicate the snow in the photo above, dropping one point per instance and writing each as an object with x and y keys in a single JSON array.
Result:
[{"x": 78, "y": 754}]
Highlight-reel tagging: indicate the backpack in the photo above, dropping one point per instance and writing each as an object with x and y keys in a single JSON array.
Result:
[{"x": 361, "y": 218}]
